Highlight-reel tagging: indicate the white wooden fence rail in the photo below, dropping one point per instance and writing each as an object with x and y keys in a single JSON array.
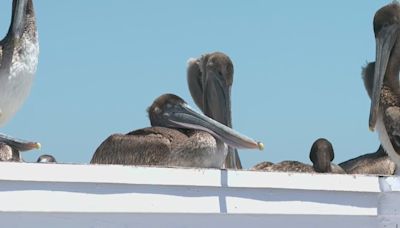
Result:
[{"x": 68, "y": 195}]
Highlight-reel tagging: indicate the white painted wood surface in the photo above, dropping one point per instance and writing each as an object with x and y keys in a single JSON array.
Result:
[{"x": 68, "y": 195}]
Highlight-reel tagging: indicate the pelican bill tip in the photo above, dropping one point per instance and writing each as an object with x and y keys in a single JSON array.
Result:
[
  {"x": 371, "y": 129},
  {"x": 372, "y": 123},
  {"x": 38, "y": 145},
  {"x": 260, "y": 145}
]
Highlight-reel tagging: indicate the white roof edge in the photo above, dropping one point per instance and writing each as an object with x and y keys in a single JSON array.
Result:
[{"x": 117, "y": 174}]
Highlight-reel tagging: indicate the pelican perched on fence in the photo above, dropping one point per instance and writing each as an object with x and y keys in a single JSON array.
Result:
[
  {"x": 210, "y": 79},
  {"x": 19, "y": 53},
  {"x": 321, "y": 155},
  {"x": 385, "y": 99},
  {"x": 179, "y": 136}
]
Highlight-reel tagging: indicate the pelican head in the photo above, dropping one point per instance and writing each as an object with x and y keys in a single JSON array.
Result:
[
  {"x": 321, "y": 155},
  {"x": 210, "y": 80},
  {"x": 171, "y": 111},
  {"x": 46, "y": 158}
]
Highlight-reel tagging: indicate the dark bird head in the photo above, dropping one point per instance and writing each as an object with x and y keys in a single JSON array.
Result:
[
  {"x": 386, "y": 16},
  {"x": 158, "y": 111},
  {"x": 171, "y": 111},
  {"x": 218, "y": 65},
  {"x": 321, "y": 155},
  {"x": 386, "y": 29},
  {"x": 46, "y": 158}
]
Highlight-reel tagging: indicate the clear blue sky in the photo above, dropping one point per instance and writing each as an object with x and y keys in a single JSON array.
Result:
[{"x": 297, "y": 71}]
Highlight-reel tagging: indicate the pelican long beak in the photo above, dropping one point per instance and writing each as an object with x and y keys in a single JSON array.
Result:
[
  {"x": 385, "y": 42},
  {"x": 18, "y": 17},
  {"x": 185, "y": 117},
  {"x": 217, "y": 101},
  {"x": 19, "y": 144},
  {"x": 217, "y": 105}
]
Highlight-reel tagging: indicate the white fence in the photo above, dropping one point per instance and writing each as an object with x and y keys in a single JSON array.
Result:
[{"x": 66, "y": 195}]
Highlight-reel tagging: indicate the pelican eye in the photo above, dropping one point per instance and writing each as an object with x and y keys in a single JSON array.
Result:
[{"x": 157, "y": 110}]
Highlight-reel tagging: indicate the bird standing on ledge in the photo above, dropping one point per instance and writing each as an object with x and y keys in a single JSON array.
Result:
[
  {"x": 385, "y": 99},
  {"x": 19, "y": 53}
]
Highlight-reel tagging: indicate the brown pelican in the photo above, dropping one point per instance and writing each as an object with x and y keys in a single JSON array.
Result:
[
  {"x": 378, "y": 162},
  {"x": 179, "y": 136},
  {"x": 19, "y": 52},
  {"x": 46, "y": 158},
  {"x": 321, "y": 155},
  {"x": 210, "y": 79},
  {"x": 385, "y": 100}
]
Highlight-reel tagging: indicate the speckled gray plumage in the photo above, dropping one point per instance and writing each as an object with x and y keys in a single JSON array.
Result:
[
  {"x": 293, "y": 167},
  {"x": 158, "y": 146},
  {"x": 284, "y": 166},
  {"x": 19, "y": 59},
  {"x": 262, "y": 165},
  {"x": 377, "y": 163}
]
